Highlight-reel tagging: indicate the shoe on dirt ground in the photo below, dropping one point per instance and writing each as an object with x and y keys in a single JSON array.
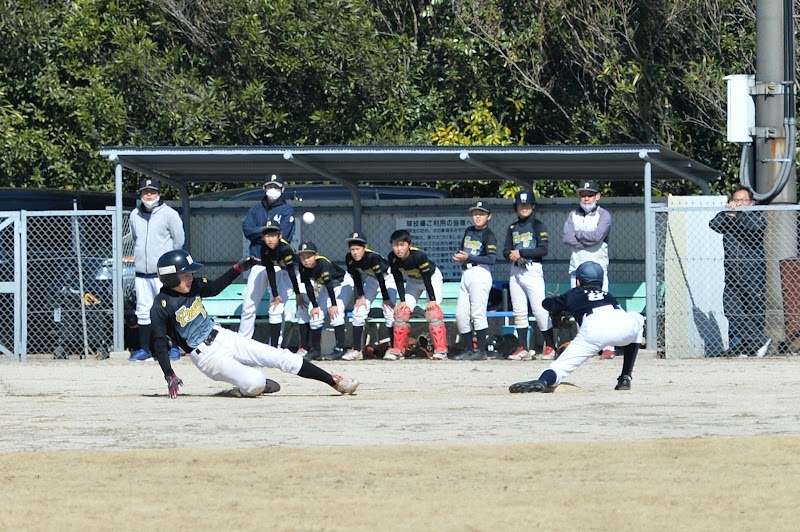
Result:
[
  {"x": 336, "y": 354},
  {"x": 521, "y": 354},
  {"x": 549, "y": 353},
  {"x": 607, "y": 354},
  {"x": 139, "y": 355},
  {"x": 302, "y": 352},
  {"x": 623, "y": 383},
  {"x": 312, "y": 354},
  {"x": 174, "y": 354},
  {"x": 353, "y": 354},
  {"x": 393, "y": 354},
  {"x": 439, "y": 356},
  {"x": 534, "y": 386},
  {"x": 463, "y": 355},
  {"x": 271, "y": 387},
  {"x": 344, "y": 385}
]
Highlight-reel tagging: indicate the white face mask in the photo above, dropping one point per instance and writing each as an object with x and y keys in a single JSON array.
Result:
[
  {"x": 273, "y": 193},
  {"x": 588, "y": 207},
  {"x": 152, "y": 203}
]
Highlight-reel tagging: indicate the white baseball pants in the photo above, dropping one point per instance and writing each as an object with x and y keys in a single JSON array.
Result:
[
  {"x": 526, "y": 285},
  {"x": 371, "y": 290},
  {"x": 343, "y": 293},
  {"x": 415, "y": 286},
  {"x": 473, "y": 297},
  {"x": 147, "y": 289}
]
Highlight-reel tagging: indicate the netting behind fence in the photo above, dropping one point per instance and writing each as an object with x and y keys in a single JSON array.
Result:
[{"x": 728, "y": 282}]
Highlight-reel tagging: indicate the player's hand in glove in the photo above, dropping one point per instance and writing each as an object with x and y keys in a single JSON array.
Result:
[
  {"x": 561, "y": 319},
  {"x": 245, "y": 264},
  {"x": 173, "y": 383},
  {"x": 521, "y": 262}
]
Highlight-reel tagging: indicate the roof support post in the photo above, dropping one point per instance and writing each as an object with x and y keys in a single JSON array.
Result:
[
  {"x": 650, "y": 280},
  {"x": 116, "y": 270}
]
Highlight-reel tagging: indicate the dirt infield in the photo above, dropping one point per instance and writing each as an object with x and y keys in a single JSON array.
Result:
[{"x": 696, "y": 444}]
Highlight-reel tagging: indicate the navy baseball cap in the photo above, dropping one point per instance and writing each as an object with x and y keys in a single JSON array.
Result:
[
  {"x": 307, "y": 247},
  {"x": 271, "y": 227},
  {"x": 588, "y": 186},
  {"x": 274, "y": 179},
  {"x": 480, "y": 206},
  {"x": 356, "y": 238},
  {"x": 149, "y": 183}
]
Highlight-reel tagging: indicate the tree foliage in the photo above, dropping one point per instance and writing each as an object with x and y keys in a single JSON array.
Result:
[{"x": 77, "y": 75}]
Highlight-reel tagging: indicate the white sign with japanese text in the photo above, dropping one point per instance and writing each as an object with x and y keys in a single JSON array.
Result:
[{"x": 438, "y": 237}]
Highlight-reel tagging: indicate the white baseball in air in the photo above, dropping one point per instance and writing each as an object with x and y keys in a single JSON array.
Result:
[{"x": 308, "y": 217}]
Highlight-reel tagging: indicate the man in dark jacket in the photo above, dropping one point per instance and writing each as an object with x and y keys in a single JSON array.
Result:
[
  {"x": 743, "y": 298},
  {"x": 271, "y": 207}
]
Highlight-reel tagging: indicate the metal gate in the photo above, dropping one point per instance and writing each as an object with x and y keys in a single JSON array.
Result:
[{"x": 10, "y": 285}]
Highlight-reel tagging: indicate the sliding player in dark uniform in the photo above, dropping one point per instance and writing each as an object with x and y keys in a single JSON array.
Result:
[{"x": 219, "y": 353}]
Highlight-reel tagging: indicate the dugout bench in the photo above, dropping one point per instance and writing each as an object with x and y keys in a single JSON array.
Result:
[{"x": 226, "y": 307}]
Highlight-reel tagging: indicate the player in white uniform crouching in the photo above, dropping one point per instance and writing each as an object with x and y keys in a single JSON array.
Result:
[
  {"x": 220, "y": 354},
  {"x": 602, "y": 322}
]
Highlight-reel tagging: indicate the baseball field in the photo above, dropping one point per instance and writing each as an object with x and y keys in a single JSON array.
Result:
[{"x": 695, "y": 445}]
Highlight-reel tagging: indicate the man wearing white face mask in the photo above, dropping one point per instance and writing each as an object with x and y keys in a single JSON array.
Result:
[
  {"x": 156, "y": 228},
  {"x": 586, "y": 233},
  {"x": 271, "y": 207}
]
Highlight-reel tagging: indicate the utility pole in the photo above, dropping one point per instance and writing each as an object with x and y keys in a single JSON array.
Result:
[{"x": 774, "y": 129}]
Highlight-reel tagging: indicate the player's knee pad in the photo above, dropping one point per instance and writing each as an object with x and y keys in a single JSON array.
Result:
[
  {"x": 276, "y": 314},
  {"x": 434, "y": 315},
  {"x": 360, "y": 316},
  {"x": 402, "y": 315},
  {"x": 400, "y": 335},
  {"x": 317, "y": 322}
]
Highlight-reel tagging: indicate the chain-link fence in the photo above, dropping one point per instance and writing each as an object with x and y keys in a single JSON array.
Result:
[
  {"x": 436, "y": 225},
  {"x": 69, "y": 283},
  {"x": 728, "y": 282}
]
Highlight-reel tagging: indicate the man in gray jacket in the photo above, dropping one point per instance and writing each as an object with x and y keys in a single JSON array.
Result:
[{"x": 156, "y": 228}]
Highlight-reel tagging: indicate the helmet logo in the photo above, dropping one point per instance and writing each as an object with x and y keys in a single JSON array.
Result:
[
  {"x": 523, "y": 197},
  {"x": 189, "y": 259},
  {"x": 166, "y": 270}
]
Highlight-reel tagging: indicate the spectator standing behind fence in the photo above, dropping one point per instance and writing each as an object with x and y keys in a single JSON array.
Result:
[
  {"x": 476, "y": 255},
  {"x": 156, "y": 228},
  {"x": 271, "y": 207},
  {"x": 586, "y": 234},
  {"x": 526, "y": 244},
  {"x": 743, "y": 298}
]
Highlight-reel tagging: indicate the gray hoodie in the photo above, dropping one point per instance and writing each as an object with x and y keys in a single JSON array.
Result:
[{"x": 154, "y": 233}]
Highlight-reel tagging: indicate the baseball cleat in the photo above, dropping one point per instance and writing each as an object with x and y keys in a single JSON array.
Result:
[
  {"x": 393, "y": 354},
  {"x": 344, "y": 385},
  {"x": 312, "y": 354},
  {"x": 174, "y": 354},
  {"x": 623, "y": 383},
  {"x": 439, "y": 356},
  {"x": 336, "y": 354},
  {"x": 353, "y": 354},
  {"x": 549, "y": 353},
  {"x": 521, "y": 354},
  {"x": 271, "y": 387},
  {"x": 528, "y": 387}
]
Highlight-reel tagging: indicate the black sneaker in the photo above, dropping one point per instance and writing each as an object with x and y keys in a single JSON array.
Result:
[
  {"x": 271, "y": 387},
  {"x": 477, "y": 354},
  {"x": 463, "y": 355},
  {"x": 312, "y": 354},
  {"x": 336, "y": 354},
  {"x": 623, "y": 383},
  {"x": 528, "y": 387}
]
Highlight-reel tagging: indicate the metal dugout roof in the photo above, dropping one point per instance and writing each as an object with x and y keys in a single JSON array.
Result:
[{"x": 351, "y": 165}]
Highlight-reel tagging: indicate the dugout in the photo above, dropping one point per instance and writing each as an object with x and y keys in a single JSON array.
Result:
[{"x": 353, "y": 165}]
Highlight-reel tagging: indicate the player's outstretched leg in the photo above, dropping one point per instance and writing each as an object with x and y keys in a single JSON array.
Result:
[
  {"x": 630, "y": 353},
  {"x": 545, "y": 383},
  {"x": 341, "y": 384}
]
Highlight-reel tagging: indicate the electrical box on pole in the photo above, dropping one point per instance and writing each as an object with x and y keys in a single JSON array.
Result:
[{"x": 741, "y": 107}]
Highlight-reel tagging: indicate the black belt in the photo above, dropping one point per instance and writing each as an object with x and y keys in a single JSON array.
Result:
[
  {"x": 466, "y": 266},
  {"x": 209, "y": 339}
]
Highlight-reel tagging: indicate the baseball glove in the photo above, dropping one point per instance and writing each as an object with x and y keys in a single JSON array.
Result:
[
  {"x": 521, "y": 262},
  {"x": 560, "y": 349},
  {"x": 561, "y": 319}
]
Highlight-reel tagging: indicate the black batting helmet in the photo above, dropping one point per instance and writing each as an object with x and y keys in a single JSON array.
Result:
[
  {"x": 171, "y": 263},
  {"x": 590, "y": 273},
  {"x": 524, "y": 196}
]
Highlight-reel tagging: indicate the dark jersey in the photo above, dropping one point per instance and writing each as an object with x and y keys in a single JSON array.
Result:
[
  {"x": 529, "y": 236},
  {"x": 324, "y": 273},
  {"x": 372, "y": 264},
  {"x": 285, "y": 257},
  {"x": 258, "y": 215},
  {"x": 580, "y": 302},
  {"x": 416, "y": 265},
  {"x": 480, "y": 245},
  {"x": 183, "y": 318}
]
